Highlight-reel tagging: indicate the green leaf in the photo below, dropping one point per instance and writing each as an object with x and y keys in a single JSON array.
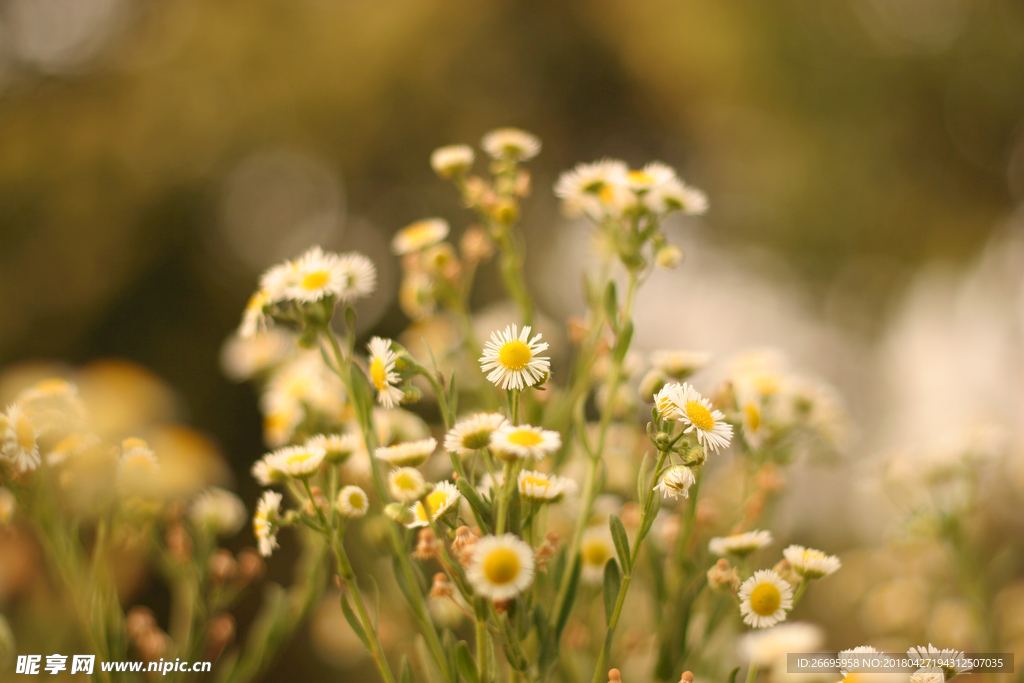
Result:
[
  {"x": 464, "y": 660},
  {"x": 483, "y": 512},
  {"x": 570, "y": 597},
  {"x": 621, "y": 542},
  {"x": 732, "y": 675},
  {"x": 652, "y": 506},
  {"x": 406, "y": 671},
  {"x": 453, "y": 398},
  {"x": 612, "y": 584},
  {"x": 625, "y": 337},
  {"x": 448, "y": 643},
  {"x": 376, "y": 600},
  {"x": 362, "y": 393},
  {"x": 353, "y": 621},
  {"x": 641, "y": 482},
  {"x": 513, "y": 650},
  {"x": 350, "y": 318},
  {"x": 611, "y": 306},
  {"x": 515, "y": 509}
]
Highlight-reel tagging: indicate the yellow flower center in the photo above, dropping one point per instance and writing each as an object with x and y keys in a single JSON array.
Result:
[
  {"x": 356, "y": 500},
  {"x": 525, "y": 437},
  {"x": 753, "y": 415},
  {"x": 766, "y": 384},
  {"x": 700, "y": 416},
  {"x": 298, "y": 458},
  {"x": 606, "y": 193},
  {"x": 419, "y": 234},
  {"x": 514, "y": 355},
  {"x": 379, "y": 374},
  {"x": 26, "y": 435},
  {"x": 529, "y": 480},
  {"x": 435, "y": 501},
  {"x": 640, "y": 178},
  {"x": 316, "y": 280},
  {"x": 256, "y": 301},
  {"x": 595, "y": 553},
  {"x": 765, "y": 599},
  {"x": 405, "y": 481},
  {"x": 501, "y": 566}
]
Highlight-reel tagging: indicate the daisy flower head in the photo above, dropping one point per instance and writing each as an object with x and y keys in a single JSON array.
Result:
[
  {"x": 352, "y": 502},
  {"x": 740, "y": 545},
  {"x": 18, "y": 445},
  {"x": 337, "y": 447},
  {"x": 675, "y": 195},
  {"x": 501, "y": 567},
  {"x": 382, "y": 372},
  {"x": 276, "y": 283},
  {"x": 538, "y": 487},
  {"x": 764, "y": 599},
  {"x": 519, "y": 442},
  {"x": 931, "y": 659},
  {"x": 852, "y": 675},
  {"x": 511, "y": 143},
  {"x": 668, "y": 401},
  {"x": 138, "y": 468},
  {"x": 419, "y": 235},
  {"x": 810, "y": 563},
  {"x": 581, "y": 189},
  {"x": 650, "y": 177},
  {"x": 452, "y": 160},
  {"x": 677, "y": 482},
  {"x": 679, "y": 364},
  {"x": 696, "y": 412},
  {"x": 473, "y": 433},
  {"x": 596, "y": 548},
  {"x": 511, "y": 361},
  {"x": 765, "y": 649},
  {"x": 264, "y": 474},
  {"x": 407, "y": 454},
  {"x": 317, "y": 275},
  {"x": 439, "y": 501},
  {"x": 406, "y": 484},
  {"x": 264, "y": 522},
  {"x": 219, "y": 511},
  {"x": 358, "y": 276},
  {"x": 299, "y": 462}
]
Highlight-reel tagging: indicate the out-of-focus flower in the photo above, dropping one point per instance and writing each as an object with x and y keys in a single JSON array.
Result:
[
  {"x": 254, "y": 317},
  {"x": 501, "y": 567},
  {"x": 337, "y": 447},
  {"x": 138, "y": 470},
  {"x": 317, "y": 274},
  {"x": 452, "y": 160},
  {"x": 406, "y": 484},
  {"x": 696, "y": 412},
  {"x": 810, "y": 563},
  {"x": 243, "y": 357},
  {"x": 538, "y": 487},
  {"x": 408, "y": 454},
  {"x": 473, "y": 433},
  {"x": 511, "y": 143},
  {"x": 264, "y": 523},
  {"x": 582, "y": 188},
  {"x": 300, "y": 462},
  {"x": 766, "y": 648},
  {"x": 218, "y": 511},
  {"x": 382, "y": 372},
  {"x": 419, "y": 235},
  {"x": 439, "y": 501},
  {"x": 764, "y": 599},
  {"x": 596, "y": 548},
  {"x": 679, "y": 364},
  {"x": 740, "y": 544},
  {"x": 18, "y": 445},
  {"x": 511, "y": 361},
  {"x": 723, "y": 578},
  {"x": 677, "y": 482},
  {"x": 521, "y": 442},
  {"x": 353, "y": 502}
]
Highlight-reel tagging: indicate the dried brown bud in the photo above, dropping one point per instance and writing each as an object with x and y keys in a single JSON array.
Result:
[
  {"x": 179, "y": 544},
  {"x": 441, "y": 588},
  {"x": 219, "y": 635},
  {"x": 222, "y": 566},
  {"x": 785, "y": 570},
  {"x": 546, "y": 551},
  {"x": 687, "y": 677},
  {"x": 614, "y": 676},
  {"x": 427, "y": 545},
  {"x": 154, "y": 644},
  {"x": 476, "y": 246},
  {"x": 463, "y": 543},
  {"x": 503, "y": 606},
  {"x": 723, "y": 577},
  {"x": 138, "y": 622},
  {"x": 251, "y": 566}
]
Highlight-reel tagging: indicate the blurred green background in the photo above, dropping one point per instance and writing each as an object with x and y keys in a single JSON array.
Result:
[{"x": 156, "y": 155}]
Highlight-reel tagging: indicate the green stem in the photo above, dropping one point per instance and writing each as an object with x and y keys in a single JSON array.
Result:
[
  {"x": 503, "y": 498},
  {"x": 804, "y": 583}
]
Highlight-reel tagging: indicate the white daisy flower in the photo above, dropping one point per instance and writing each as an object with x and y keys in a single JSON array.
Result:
[
  {"x": 501, "y": 567},
  {"x": 679, "y": 364},
  {"x": 280, "y": 422},
  {"x": 318, "y": 274},
  {"x": 8, "y": 504},
  {"x": 769, "y": 647},
  {"x": 473, "y": 433},
  {"x": 511, "y": 361},
  {"x": 538, "y": 487},
  {"x": 444, "y": 496},
  {"x": 254, "y": 319},
  {"x": 138, "y": 469},
  {"x": 218, "y": 510},
  {"x": 677, "y": 482},
  {"x": 300, "y": 462},
  {"x": 668, "y": 401},
  {"x": 419, "y": 235},
  {"x": 406, "y": 484},
  {"x": 353, "y": 502},
  {"x": 452, "y": 160},
  {"x": 810, "y": 563},
  {"x": 264, "y": 474},
  {"x": 581, "y": 188},
  {"x": 764, "y": 599},
  {"x": 519, "y": 442},
  {"x": 276, "y": 283},
  {"x": 18, "y": 445},
  {"x": 651, "y": 176},
  {"x": 740, "y": 544},
  {"x": 338, "y": 447},
  {"x": 511, "y": 143},
  {"x": 934, "y": 660},
  {"x": 359, "y": 276},
  {"x": 851, "y": 675},
  {"x": 264, "y": 522},
  {"x": 675, "y": 195},
  {"x": 596, "y": 548},
  {"x": 243, "y": 357},
  {"x": 407, "y": 454},
  {"x": 382, "y": 372},
  {"x": 695, "y": 411}
]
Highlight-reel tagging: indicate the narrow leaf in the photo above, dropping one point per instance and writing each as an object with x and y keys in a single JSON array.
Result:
[
  {"x": 406, "y": 671},
  {"x": 353, "y": 621},
  {"x": 611, "y": 306},
  {"x": 625, "y": 336},
  {"x": 513, "y": 650},
  {"x": 732, "y": 675},
  {"x": 621, "y": 542},
  {"x": 570, "y": 598},
  {"x": 464, "y": 660},
  {"x": 483, "y": 512},
  {"x": 612, "y": 584}
]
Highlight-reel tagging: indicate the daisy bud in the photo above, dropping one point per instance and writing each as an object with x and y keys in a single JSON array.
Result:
[
  {"x": 178, "y": 543},
  {"x": 546, "y": 551},
  {"x": 220, "y": 633},
  {"x": 723, "y": 577},
  {"x": 222, "y": 566},
  {"x": 614, "y": 676},
  {"x": 441, "y": 588},
  {"x": 668, "y": 256},
  {"x": 250, "y": 565},
  {"x": 398, "y": 512},
  {"x": 462, "y": 545},
  {"x": 475, "y": 245},
  {"x": 138, "y": 622},
  {"x": 503, "y": 606},
  {"x": 687, "y": 677},
  {"x": 427, "y": 545},
  {"x": 785, "y": 570}
]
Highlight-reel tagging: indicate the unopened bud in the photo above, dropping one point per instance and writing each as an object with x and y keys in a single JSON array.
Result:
[
  {"x": 222, "y": 566},
  {"x": 219, "y": 635},
  {"x": 669, "y": 256},
  {"x": 178, "y": 543},
  {"x": 251, "y": 566}
]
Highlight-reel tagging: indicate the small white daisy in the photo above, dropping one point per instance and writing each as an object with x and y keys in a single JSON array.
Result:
[
  {"x": 538, "y": 487},
  {"x": 810, "y": 563},
  {"x": 218, "y": 510},
  {"x": 679, "y": 364},
  {"x": 596, "y": 548},
  {"x": 764, "y": 649},
  {"x": 851, "y": 655},
  {"x": 276, "y": 283},
  {"x": 473, "y": 433},
  {"x": 419, "y": 235},
  {"x": 935, "y": 660},
  {"x": 677, "y": 482},
  {"x": 264, "y": 474},
  {"x": 511, "y": 361},
  {"x": 138, "y": 470},
  {"x": 18, "y": 445},
  {"x": 318, "y": 274},
  {"x": 651, "y": 176},
  {"x": 511, "y": 143},
  {"x": 382, "y": 372},
  {"x": 407, "y": 454},
  {"x": 338, "y": 447},
  {"x": 243, "y": 357},
  {"x": 300, "y": 462},
  {"x": 359, "y": 276},
  {"x": 452, "y": 160},
  {"x": 581, "y": 188},
  {"x": 764, "y": 599},
  {"x": 695, "y": 411},
  {"x": 740, "y": 544},
  {"x": 439, "y": 501},
  {"x": 667, "y": 401},
  {"x": 519, "y": 442},
  {"x": 352, "y": 502},
  {"x": 264, "y": 522},
  {"x": 674, "y": 195},
  {"x": 501, "y": 567},
  {"x": 406, "y": 484}
]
